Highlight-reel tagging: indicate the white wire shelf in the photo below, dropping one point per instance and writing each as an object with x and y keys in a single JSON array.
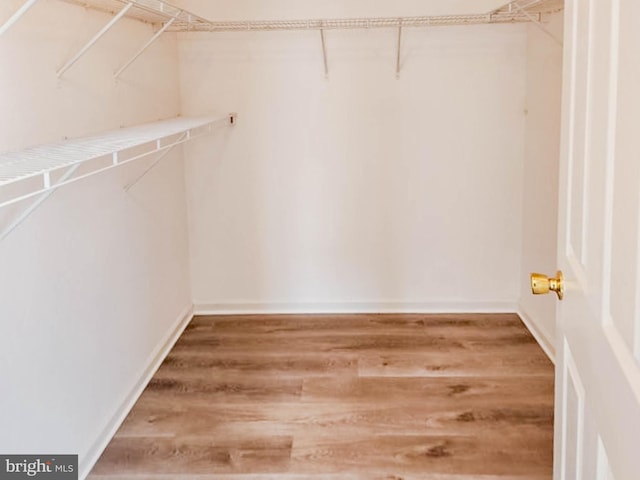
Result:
[
  {"x": 33, "y": 171},
  {"x": 160, "y": 12},
  {"x": 156, "y": 12},
  {"x": 169, "y": 18}
]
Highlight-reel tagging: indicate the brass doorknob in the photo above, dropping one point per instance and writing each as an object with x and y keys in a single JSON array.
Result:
[{"x": 541, "y": 284}]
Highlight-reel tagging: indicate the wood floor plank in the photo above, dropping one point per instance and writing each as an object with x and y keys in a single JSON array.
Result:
[
  {"x": 159, "y": 418},
  {"x": 321, "y": 476},
  {"x": 470, "y": 390},
  {"x": 283, "y": 327},
  {"x": 197, "y": 455},
  {"x": 280, "y": 365},
  {"x": 310, "y": 325},
  {"x": 214, "y": 390},
  {"x": 345, "y": 322},
  {"x": 337, "y": 343},
  {"x": 349, "y": 397},
  {"x": 443, "y": 364},
  {"x": 403, "y": 454}
]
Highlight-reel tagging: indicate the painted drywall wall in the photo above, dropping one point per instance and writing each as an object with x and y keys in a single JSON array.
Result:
[
  {"x": 540, "y": 185},
  {"x": 92, "y": 283},
  {"x": 363, "y": 191}
]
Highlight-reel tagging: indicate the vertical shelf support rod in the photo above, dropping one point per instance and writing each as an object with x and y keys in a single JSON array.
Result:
[
  {"x": 399, "y": 49},
  {"x": 92, "y": 42},
  {"x": 145, "y": 46},
  {"x": 324, "y": 53},
  {"x": 16, "y": 16}
]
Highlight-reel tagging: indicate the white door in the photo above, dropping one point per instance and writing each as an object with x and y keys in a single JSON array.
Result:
[{"x": 598, "y": 348}]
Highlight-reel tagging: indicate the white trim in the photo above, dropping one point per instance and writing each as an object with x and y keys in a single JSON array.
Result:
[
  {"x": 257, "y": 308},
  {"x": 539, "y": 334},
  {"x": 155, "y": 359}
]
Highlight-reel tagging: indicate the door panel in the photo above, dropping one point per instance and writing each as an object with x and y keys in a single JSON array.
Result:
[
  {"x": 598, "y": 373},
  {"x": 624, "y": 247},
  {"x": 600, "y": 81},
  {"x": 625, "y": 263},
  {"x": 577, "y": 171}
]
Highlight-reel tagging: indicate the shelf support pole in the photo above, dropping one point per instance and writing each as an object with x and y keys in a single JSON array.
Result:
[
  {"x": 324, "y": 53},
  {"x": 145, "y": 47},
  {"x": 399, "y": 49},
  {"x": 92, "y": 42},
  {"x": 17, "y": 15},
  {"x": 131, "y": 184},
  {"x": 40, "y": 200},
  {"x": 538, "y": 24}
]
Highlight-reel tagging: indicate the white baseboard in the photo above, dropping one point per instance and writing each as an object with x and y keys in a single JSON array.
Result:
[
  {"x": 354, "y": 307},
  {"x": 153, "y": 363},
  {"x": 543, "y": 340}
]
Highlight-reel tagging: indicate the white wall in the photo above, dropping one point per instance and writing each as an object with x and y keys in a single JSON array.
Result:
[
  {"x": 363, "y": 191},
  {"x": 540, "y": 186},
  {"x": 92, "y": 283}
]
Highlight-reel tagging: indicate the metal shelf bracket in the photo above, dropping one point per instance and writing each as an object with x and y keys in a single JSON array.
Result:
[
  {"x": 93, "y": 41},
  {"x": 48, "y": 191},
  {"x": 324, "y": 54},
  {"x": 231, "y": 120},
  {"x": 145, "y": 47},
  {"x": 166, "y": 152},
  {"x": 16, "y": 16},
  {"x": 399, "y": 49},
  {"x": 538, "y": 23}
]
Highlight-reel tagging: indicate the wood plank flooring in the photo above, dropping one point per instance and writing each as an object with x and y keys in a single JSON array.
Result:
[{"x": 349, "y": 397}]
